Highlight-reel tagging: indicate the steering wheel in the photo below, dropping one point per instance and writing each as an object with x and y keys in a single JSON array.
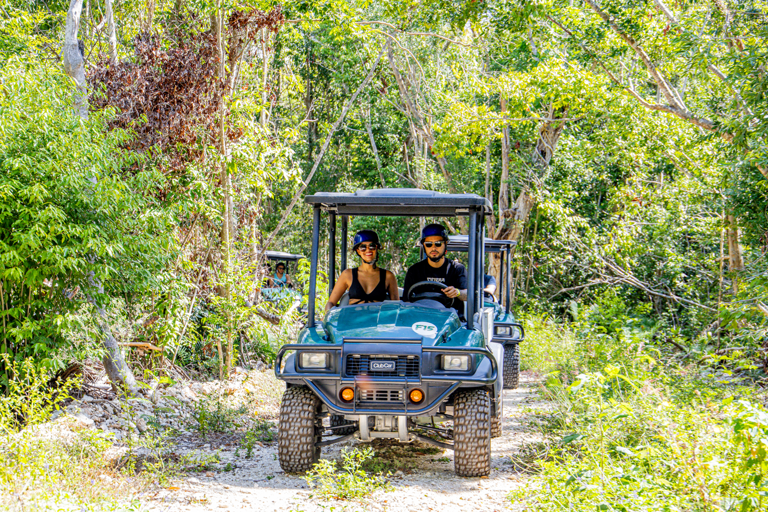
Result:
[{"x": 429, "y": 290}]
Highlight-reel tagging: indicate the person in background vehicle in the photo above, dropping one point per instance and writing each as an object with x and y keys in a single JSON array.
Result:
[
  {"x": 489, "y": 286},
  {"x": 366, "y": 283},
  {"x": 280, "y": 279},
  {"x": 436, "y": 267}
]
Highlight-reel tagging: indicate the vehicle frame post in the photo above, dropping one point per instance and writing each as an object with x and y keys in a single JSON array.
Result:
[
  {"x": 331, "y": 252},
  {"x": 508, "y": 277},
  {"x": 313, "y": 267},
  {"x": 481, "y": 264},
  {"x": 343, "y": 259},
  {"x": 502, "y": 277},
  {"x": 472, "y": 273}
]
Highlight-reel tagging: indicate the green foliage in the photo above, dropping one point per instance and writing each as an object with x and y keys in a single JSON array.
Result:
[
  {"x": 350, "y": 481},
  {"x": 262, "y": 432},
  {"x": 70, "y": 215},
  {"x": 632, "y": 429},
  {"x": 213, "y": 415},
  {"x": 29, "y": 398}
]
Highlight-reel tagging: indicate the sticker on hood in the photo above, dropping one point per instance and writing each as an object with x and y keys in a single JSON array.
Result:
[{"x": 425, "y": 329}]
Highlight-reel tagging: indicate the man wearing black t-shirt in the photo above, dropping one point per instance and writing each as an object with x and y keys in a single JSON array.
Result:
[{"x": 436, "y": 267}]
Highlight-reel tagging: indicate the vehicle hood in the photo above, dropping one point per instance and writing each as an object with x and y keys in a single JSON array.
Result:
[{"x": 390, "y": 320}]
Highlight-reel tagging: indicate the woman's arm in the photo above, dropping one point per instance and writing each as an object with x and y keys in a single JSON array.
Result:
[
  {"x": 342, "y": 285},
  {"x": 392, "y": 286}
]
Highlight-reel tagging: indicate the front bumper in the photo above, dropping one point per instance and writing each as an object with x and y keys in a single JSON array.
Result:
[{"x": 379, "y": 393}]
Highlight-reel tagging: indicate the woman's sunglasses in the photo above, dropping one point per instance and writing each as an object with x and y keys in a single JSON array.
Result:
[
  {"x": 365, "y": 247},
  {"x": 429, "y": 245}
]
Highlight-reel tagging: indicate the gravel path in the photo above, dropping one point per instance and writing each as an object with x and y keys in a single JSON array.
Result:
[{"x": 426, "y": 480}]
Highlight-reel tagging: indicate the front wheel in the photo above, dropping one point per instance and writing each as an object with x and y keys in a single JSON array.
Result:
[
  {"x": 511, "y": 371},
  {"x": 472, "y": 433},
  {"x": 299, "y": 430}
]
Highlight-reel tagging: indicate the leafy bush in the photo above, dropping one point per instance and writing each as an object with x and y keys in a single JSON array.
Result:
[
  {"x": 632, "y": 429},
  {"x": 350, "y": 481},
  {"x": 75, "y": 219},
  {"x": 75, "y": 466},
  {"x": 212, "y": 415},
  {"x": 29, "y": 399}
]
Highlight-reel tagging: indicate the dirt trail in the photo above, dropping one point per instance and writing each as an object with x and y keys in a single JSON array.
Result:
[{"x": 426, "y": 482}]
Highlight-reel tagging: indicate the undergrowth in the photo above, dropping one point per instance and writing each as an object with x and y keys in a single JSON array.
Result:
[
  {"x": 350, "y": 481},
  {"x": 637, "y": 428}
]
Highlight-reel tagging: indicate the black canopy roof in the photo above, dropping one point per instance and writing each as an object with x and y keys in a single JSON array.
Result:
[
  {"x": 285, "y": 256},
  {"x": 460, "y": 243},
  {"x": 400, "y": 202}
]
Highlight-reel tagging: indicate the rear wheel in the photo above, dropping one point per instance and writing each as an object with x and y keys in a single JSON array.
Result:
[
  {"x": 472, "y": 433},
  {"x": 337, "y": 420},
  {"x": 299, "y": 430},
  {"x": 511, "y": 366}
]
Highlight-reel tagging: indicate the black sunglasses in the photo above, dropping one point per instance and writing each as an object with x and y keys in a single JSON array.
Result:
[
  {"x": 365, "y": 247},
  {"x": 429, "y": 245}
]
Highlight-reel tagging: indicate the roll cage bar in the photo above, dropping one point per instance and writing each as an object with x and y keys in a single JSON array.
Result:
[{"x": 399, "y": 202}]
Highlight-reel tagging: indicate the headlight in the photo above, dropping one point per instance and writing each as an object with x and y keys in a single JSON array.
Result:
[
  {"x": 455, "y": 362},
  {"x": 313, "y": 360},
  {"x": 503, "y": 330}
]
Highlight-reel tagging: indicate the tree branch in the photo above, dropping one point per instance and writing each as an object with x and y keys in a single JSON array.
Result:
[
  {"x": 326, "y": 143},
  {"x": 426, "y": 34},
  {"x": 669, "y": 93},
  {"x": 684, "y": 114}
]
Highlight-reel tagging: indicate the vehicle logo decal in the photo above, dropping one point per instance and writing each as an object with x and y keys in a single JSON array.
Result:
[
  {"x": 383, "y": 366},
  {"x": 425, "y": 329}
]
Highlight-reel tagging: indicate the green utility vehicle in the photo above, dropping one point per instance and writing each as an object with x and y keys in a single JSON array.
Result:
[
  {"x": 277, "y": 293},
  {"x": 404, "y": 370},
  {"x": 507, "y": 332}
]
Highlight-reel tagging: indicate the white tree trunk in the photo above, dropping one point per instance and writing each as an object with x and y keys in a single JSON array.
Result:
[
  {"x": 74, "y": 64},
  {"x": 109, "y": 15}
]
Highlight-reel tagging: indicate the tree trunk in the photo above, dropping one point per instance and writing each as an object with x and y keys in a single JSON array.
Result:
[
  {"x": 119, "y": 372},
  {"x": 264, "y": 116},
  {"x": 73, "y": 55},
  {"x": 735, "y": 260},
  {"x": 225, "y": 354},
  {"x": 109, "y": 15},
  {"x": 117, "y": 369}
]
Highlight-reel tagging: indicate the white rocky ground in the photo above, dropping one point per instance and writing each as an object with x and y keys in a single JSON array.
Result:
[{"x": 421, "y": 479}]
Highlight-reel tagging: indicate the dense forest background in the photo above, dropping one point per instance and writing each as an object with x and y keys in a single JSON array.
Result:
[{"x": 151, "y": 151}]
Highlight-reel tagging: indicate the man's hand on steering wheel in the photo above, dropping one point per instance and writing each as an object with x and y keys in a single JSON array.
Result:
[
  {"x": 431, "y": 290},
  {"x": 452, "y": 292}
]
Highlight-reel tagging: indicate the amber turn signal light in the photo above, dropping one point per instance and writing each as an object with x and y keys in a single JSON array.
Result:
[
  {"x": 416, "y": 396},
  {"x": 347, "y": 394}
]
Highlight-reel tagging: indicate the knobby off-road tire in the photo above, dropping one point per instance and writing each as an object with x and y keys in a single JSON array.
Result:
[
  {"x": 496, "y": 428},
  {"x": 299, "y": 430},
  {"x": 338, "y": 420},
  {"x": 511, "y": 366},
  {"x": 472, "y": 433}
]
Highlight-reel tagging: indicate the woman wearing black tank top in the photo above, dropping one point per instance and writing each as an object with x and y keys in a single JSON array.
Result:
[{"x": 379, "y": 283}]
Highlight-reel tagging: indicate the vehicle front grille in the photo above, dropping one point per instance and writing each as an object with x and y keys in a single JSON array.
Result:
[
  {"x": 381, "y": 395},
  {"x": 360, "y": 364}
]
